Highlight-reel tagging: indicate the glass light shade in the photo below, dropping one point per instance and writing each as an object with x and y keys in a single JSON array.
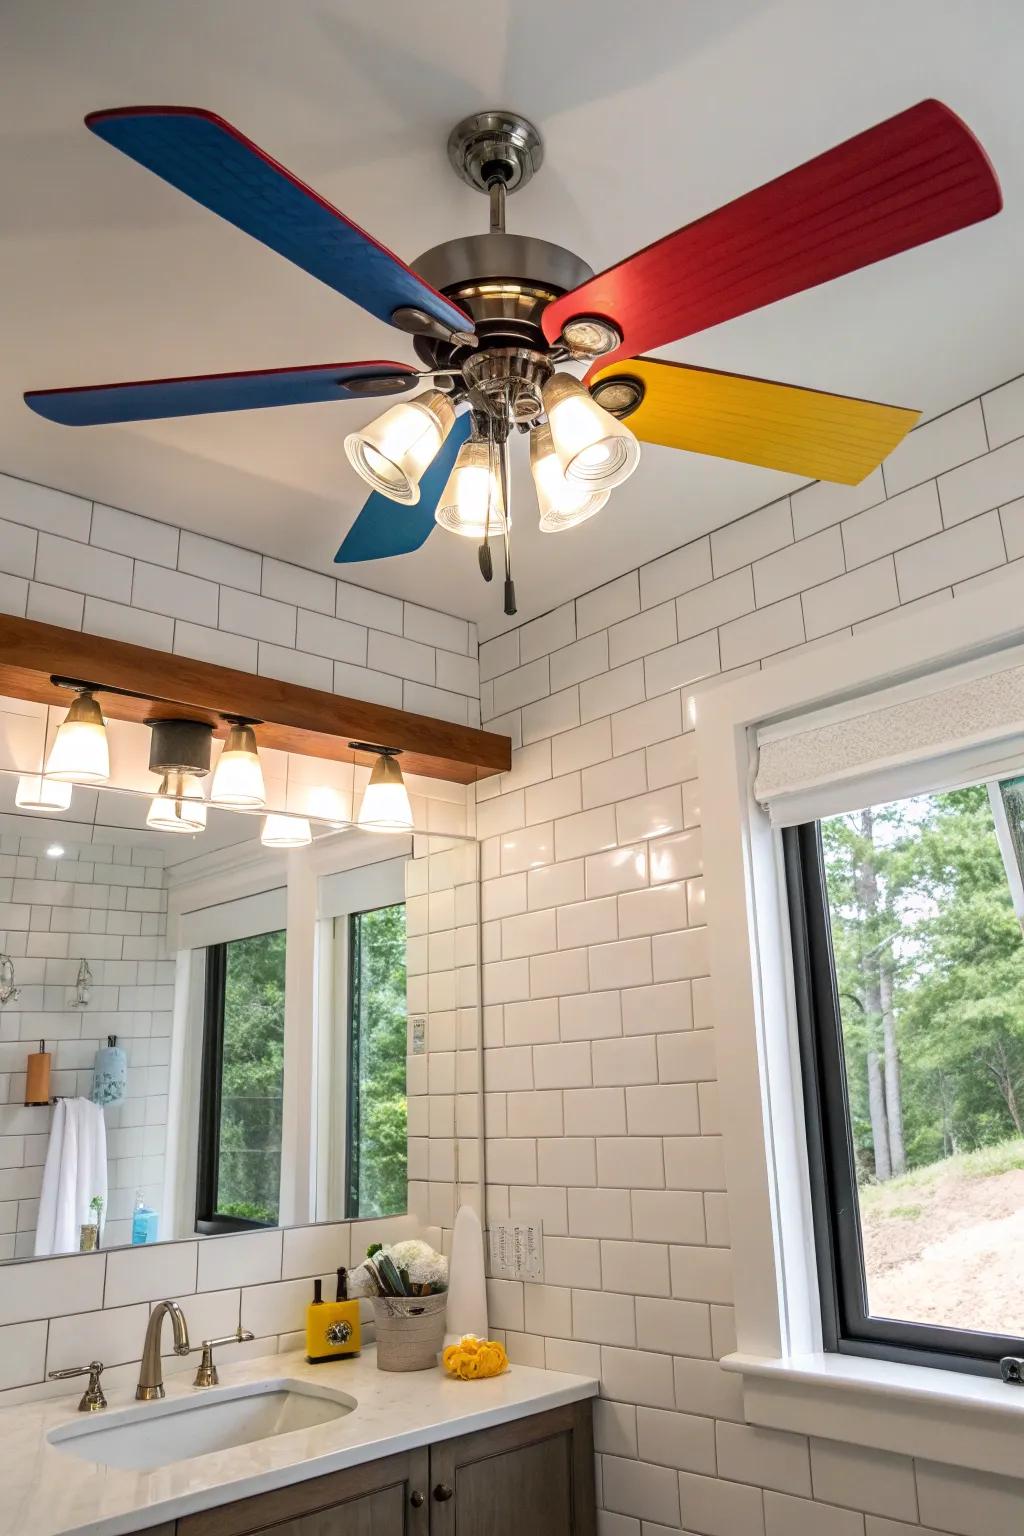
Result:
[
  {"x": 470, "y": 487},
  {"x": 35, "y": 792},
  {"x": 596, "y": 451},
  {"x": 392, "y": 453},
  {"x": 562, "y": 504},
  {"x": 79, "y": 754},
  {"x": 238, "y": 777},
  {"x": 285, "y": 832},
  {"x": 385, "y": 806},
  {"x": 179, "y": 806}
]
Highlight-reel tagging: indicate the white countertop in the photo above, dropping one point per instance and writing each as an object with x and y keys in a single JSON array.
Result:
[{"x": 46, "y": 1492}]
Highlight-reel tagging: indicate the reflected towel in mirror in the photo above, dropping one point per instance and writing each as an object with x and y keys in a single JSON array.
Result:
[{"x": 75, "y": 1173}]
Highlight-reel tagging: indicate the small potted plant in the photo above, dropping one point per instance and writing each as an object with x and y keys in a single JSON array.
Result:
[
  {"x": 408, "y": 1285},
  {"x": 89, "y": 1237}
]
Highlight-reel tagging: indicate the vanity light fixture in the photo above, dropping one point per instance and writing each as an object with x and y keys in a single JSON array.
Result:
[
  {"x": 178, "y": 805},
  {"x": 385, "y": 806},
  {"x": 596, "y": 451},
  {"x": 238, "y": 777},
  {"x": 35, "y": 792},
  {"x": 286, "y": 832},
  {"x": 80, "y": 754},
  {"x": 393, "y": 453}
]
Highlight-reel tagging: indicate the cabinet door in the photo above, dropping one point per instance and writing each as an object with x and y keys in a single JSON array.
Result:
[
  {"x": 534, "y": 1477},
  {"x": 379, "y": 1498}
]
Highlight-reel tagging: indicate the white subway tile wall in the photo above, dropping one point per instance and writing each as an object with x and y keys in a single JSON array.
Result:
[
  {"x": 151, "y": 584},
  {"x": 106, "y": 905},
  {"x": 616, "y": 1146},
  {"x": 68, "y": 562},
  {"x": 602, "y": 1113}
]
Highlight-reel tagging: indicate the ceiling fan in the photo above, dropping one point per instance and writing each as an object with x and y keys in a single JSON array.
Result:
[{"x": 496, "y": 317}]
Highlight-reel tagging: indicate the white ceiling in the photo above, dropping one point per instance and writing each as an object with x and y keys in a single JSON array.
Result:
[{"x": 652, "y": 114}]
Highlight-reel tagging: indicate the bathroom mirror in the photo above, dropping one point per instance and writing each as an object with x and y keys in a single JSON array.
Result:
[{"x": 204, "y": 1034}]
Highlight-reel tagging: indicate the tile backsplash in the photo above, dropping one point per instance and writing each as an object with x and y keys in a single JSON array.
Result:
[{"x": 63, "y": 1311}]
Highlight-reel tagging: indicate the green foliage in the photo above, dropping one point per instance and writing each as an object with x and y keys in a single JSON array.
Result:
[
  {"x": 943, "y": 920},
  {"x": 379, "y": 1157},
  {"x": 249, "y": 1174}
]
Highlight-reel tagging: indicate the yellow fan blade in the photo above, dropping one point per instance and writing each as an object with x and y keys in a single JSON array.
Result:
[{"x": 781, "y": 426}]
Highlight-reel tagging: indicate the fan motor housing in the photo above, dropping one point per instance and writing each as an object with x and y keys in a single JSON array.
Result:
[{"x": 505, "y": 282}]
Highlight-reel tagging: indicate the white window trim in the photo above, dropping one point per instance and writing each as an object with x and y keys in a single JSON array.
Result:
[{"x": 789, "y": 1382}]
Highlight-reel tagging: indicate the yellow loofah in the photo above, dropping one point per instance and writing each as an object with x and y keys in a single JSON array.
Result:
[{"x": 472, "y": 1359}]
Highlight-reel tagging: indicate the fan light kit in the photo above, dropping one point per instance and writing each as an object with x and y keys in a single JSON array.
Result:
[{"x": 495, "y": 317}]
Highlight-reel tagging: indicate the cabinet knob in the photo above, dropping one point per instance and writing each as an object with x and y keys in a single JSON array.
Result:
[
  {"x": 442, "y": 1493},
  {"x": 416, "y": 1499}
]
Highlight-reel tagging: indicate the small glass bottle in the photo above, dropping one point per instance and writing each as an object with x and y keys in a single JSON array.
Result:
[{"x": 145, "y": 1221}]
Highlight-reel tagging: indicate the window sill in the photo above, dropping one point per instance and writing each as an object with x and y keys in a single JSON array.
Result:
[{"x": 944, "y": 1416}]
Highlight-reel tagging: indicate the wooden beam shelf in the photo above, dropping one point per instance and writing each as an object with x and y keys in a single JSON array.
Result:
[{"x": 295, "y": 719}]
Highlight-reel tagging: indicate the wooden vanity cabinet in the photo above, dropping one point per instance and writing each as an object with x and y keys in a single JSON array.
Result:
[{"x": 533, "y": 1476}]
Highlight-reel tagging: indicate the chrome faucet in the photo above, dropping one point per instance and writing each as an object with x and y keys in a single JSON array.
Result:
[{"x": 151, "y": 1375}]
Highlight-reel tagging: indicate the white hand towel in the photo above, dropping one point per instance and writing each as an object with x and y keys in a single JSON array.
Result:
[{"x": 75, "y": 1172}]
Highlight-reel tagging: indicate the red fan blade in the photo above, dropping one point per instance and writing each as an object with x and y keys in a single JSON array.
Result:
[{"x": 904, "y": 182}]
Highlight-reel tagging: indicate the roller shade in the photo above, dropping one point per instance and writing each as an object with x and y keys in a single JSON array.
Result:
[
  {"x": 959, "y": 726},
  {"x": 225, "y": 921}
]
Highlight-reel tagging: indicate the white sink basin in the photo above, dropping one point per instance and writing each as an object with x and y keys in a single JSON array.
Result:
[{"x": 151, "y": 1435}]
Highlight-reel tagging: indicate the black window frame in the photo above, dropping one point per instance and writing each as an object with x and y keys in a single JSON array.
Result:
[
  {"x": 847, "y": 1327},
  {"x": 209, "y": 1222}
]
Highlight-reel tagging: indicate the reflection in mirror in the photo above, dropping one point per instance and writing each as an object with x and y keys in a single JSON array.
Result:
[{"x": 201, "y": 1034}]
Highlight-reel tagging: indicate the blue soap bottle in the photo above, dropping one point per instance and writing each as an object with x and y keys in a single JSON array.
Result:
[{"x": 145, "y": 1222}]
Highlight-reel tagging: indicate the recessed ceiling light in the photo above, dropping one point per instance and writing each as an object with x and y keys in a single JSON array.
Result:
[{"x": 55, "y": 851}]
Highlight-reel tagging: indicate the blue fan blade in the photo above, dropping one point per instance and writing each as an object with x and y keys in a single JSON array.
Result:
[
  {"x": 210, "y": 161},
  {"x": 385, "y": 528},
  {"x": 153, "y": 399}
]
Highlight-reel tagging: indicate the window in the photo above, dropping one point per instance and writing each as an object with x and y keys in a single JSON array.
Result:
[
  {"x": 909, "y": 971},
  {"x": 377, "y": 1147},
  {"x": 239, "y": 1166}
]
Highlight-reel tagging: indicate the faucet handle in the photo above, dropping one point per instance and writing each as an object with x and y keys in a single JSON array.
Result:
[
  {"x": 92, "y": 1398},
  {"x": 206, "y": 1374}
]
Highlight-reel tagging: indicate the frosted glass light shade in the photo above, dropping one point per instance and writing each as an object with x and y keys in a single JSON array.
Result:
[
  {"x": 596, "y": 451},
  {"x": 562, "y": 503},
  {"x": 392, "y": 453},
  {"x": 79, "y": 754},
  {"x": 35, "y": 792},
  {"x": 238, "y": 777},
  {"x": 286, "y": 832},
  {"x": 179, "y": 806},
  {"x": 470, "y": 487},
  {"x": 385, "y": 806}
]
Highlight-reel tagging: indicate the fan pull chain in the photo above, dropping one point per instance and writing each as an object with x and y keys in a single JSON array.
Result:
[
  {"x": 510, "y": 586},
  {"x": 484, "y": 552}
]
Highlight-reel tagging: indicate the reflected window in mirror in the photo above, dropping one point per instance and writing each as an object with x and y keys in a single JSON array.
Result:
[
  {"x": 239, "y": 1164},
  {"x": 377, "y": 1113}
]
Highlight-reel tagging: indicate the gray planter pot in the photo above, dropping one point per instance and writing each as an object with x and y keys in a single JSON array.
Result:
[{"x": 410, "y": 1331}]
